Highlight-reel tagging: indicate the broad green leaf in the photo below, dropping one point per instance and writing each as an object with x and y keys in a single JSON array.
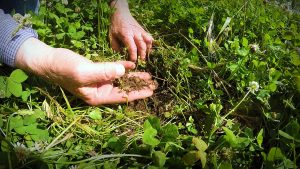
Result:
[
  {"x": 77, "y": 43},
  {"x": 190, "y": 158},
  {"x": 149, "y": 137},
  {"x": 14, "y": 87},
  {"x": 260, "y": 137},
  {"x": 233, "y": 67},
  {"x": 25, "y": 95},
  {"x": 274, "y": 74},
  {"x": 18, "y": 76},
  {"x": 31, "y": 129},
  {"x": 60, "y": 8},
  {"x": 169, "y": 133},
  {"x": 29, "y": 119},
  {"x": 42, "y": 135},
  {"x": 245, "y": 42},
  {"x": 77, "y": 35},
  {"x": 202, "y": 155},
  {"x": 225, "y": 165},
  {"x": 264, "y": 155},
  {"x": 293, "y": 128},
  {"x": 243, "y": 142},
  {"x": 117, "y": 143},
  {"x": 152, "y": 122},
  {"x": 272, "y": 86},
  {"x": 287, "y": 136},
  {"x": 243, "y": 52},
  {"x": 15, "y": 122},
  {"x": 216, "y": 108},
  {"x": 147, "y": 125},
  {"x": 159, "y": 158},
  {"x": 95, "y": 114},
  {"x": 230, "y": 137},
  {"x": 288, "y": 35},
  {"x": 295, "y": 59},
  {"x": 249, "y": 132},
  {"x": 275, "y": 154},
  {"x": 60, "y": 36},
  {"x": 200, "y": 144}
]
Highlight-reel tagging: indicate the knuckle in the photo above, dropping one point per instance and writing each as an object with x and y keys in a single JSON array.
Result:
[{"x": 108, "y": 71}]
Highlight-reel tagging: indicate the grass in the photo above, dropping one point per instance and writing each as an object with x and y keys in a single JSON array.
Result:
[{"x": 228, "y": 95}]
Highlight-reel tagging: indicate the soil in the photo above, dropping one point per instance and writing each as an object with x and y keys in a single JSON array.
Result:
[
  {"x": 151, "y": 105},
  {"x": 131, "y": 83}
]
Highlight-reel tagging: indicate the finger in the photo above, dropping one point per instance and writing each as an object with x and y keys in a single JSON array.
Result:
[
  {"x": 148, "y": 39},
  {"x": 132, "y": 48},
  {"x": 118, "y": 96},
  {"x": 141, "y": 46},
  {"x": 141, "y": 75},
  {"x": 115, "y": 45},
  {"x": 127, "y": 64},
  {"x": 100, "y": 72},
  {"x": 107, "y": 94}
]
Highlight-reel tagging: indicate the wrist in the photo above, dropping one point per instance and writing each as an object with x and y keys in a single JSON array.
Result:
[
  {"x": 120, "y": 5},
  {"x": 34, "y": 57}
]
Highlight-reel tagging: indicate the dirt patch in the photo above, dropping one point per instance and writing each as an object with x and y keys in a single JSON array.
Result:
[{"x": 132, "y": 83}]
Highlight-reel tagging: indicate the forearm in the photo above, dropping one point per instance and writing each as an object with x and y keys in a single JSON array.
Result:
[
  {"x": 52, "y": 64},
  {"x": 31, "y": 56},
  {"x": 120, "y": 5}
]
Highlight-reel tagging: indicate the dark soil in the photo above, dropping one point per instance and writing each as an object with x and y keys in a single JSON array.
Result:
[{"x": 132, "y": 83}]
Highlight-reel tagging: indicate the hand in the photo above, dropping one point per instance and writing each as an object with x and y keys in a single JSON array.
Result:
[
  {"x": 92, "y": 82},
  {"x": 124, "y": 28}
]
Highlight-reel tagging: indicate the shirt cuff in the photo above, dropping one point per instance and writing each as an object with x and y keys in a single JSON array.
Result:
[
  {"x": 10, "y": 42},
  {"x": 13, "y": 45}
]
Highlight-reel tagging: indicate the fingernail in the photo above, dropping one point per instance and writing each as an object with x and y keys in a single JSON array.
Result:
[{"x": 120, "y": 70}]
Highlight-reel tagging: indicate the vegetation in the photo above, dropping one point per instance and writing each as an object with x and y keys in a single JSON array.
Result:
[{"x": 228, "y": 91}]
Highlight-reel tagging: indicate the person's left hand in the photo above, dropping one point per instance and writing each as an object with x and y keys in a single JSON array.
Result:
[
  {"x": 90, "y": 81},
  {"x": 124, "y": 28}
]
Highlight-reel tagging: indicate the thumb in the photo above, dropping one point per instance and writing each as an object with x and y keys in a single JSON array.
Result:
[{"x": 102, "y": 72}]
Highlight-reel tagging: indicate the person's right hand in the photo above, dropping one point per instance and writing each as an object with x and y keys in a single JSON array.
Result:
[{"x": 92, "y": 82}]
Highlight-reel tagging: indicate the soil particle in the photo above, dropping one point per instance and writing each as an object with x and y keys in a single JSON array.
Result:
[{"x": 132, "y": 83}]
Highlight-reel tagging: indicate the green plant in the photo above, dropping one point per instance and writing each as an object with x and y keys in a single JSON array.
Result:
[{"x": 228, "y": 95}]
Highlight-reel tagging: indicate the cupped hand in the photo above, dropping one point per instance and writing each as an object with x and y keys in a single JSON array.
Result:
[
  {"x": 126, "y": 31},
  {"x": 92, "y": 82}
]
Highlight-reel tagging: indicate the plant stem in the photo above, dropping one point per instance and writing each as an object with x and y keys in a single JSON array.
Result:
[
  {"x": 100, "y": 157},
  {"x": 61, "y": 134},
  {"x": 232, "y": 110},
  {"x": 214, "y": 129}
]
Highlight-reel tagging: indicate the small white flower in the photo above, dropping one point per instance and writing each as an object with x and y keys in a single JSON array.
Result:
[
  {"x": 19, "y": 145},
  {"x": 253, "y": 87},
  {"x": 73, "y": 167},
  {"x": 21, "y": 152},
  {"x": 254, "y": 47},
  {"x": 65, "y": 2}
]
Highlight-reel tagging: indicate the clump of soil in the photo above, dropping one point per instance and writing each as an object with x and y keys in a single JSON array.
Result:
[{"x": 131, "y": 83}]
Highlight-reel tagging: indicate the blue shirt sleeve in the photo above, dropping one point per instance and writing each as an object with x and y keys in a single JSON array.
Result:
[{"x": 10, "y": 44}]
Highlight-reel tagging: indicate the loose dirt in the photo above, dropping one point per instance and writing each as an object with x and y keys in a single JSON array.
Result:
[{"x": 132, "y": 83}]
